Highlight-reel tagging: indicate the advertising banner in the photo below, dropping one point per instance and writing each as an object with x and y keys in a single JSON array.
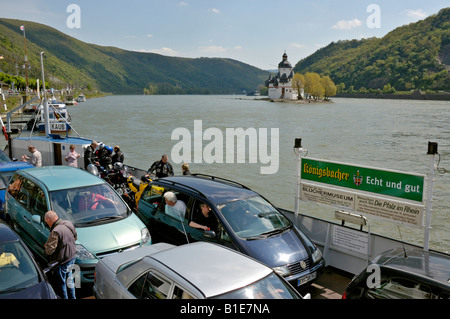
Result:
[{"x": 379, "y": 181}]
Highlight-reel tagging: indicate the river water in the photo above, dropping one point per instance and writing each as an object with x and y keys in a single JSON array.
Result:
[{"x": 387, "y": 134}]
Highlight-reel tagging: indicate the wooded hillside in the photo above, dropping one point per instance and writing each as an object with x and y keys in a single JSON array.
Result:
[{"x": 411, "y": 57}]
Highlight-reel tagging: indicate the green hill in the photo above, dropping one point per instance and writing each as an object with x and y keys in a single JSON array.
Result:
[
  {"x": 415, "y": 56},
  {"x": 109, "y": 69}
]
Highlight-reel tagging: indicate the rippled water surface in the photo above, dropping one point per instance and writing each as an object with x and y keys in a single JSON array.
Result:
[{"x": 388, "y": 134}]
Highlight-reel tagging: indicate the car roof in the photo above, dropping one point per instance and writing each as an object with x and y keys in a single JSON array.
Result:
[
  {"x": 62, "y": 177},
  {"x": 429, "y": 264},
  {"x": 218, "y": 190},
  {"x": 7, "y": 235},
  {"x": 14, "y": 166},
  {"x": 213, "y": 269}
]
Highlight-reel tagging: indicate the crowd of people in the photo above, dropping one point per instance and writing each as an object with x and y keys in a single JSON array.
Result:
[
  {"x": 105, "y": 156},
  {"x": 60, "y": 245}
]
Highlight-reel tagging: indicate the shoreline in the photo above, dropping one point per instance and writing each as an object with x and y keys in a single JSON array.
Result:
[{"x": 413, "y": 96}]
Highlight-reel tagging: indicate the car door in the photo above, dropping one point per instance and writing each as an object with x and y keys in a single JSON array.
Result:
[
  {"x": 25, "y": 200},
  {"x": 216, "y": 234},
  {"x": 156, "y": 215},
  {"x": 38, "y": 230},
  {"x": 173, "y": 228}
]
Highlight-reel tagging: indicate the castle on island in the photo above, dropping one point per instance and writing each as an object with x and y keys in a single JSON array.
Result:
[{"x": 280, "y": 85}]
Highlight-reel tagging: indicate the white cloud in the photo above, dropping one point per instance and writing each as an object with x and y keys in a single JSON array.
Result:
[
  {"x": 214, "y": 10},
  {"x": 162, "y": 51},
  {"x": 183, "y": 4},
  {"x": 416, "y": 14},
  {"x": 238, "y": 47},
  {"x": 212, "y": 49},
  {"x": 149, "y": 35},
  {"x": 347, "y": 24},
  {"x": 297, "y": 45}
]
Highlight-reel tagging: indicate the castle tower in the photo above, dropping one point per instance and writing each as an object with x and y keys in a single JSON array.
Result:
[{"x": 280, "y": 86}]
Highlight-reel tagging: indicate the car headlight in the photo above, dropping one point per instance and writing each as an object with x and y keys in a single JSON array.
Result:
[
  {"x": 145, "y": 236},
  {"x": 316, "y": 255},
  {"x": 282, "y": 271},
  {"x": 83, "y": 253}
]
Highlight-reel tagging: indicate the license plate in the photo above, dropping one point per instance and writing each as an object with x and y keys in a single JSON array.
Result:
[
  {"x": 58, "y": 126},
  {"x": 305, "y": 279}
]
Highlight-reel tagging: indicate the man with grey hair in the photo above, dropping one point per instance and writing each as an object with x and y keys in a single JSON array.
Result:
[
  {"x": 35, "y": 158},
  {"x": 174, "y": 207},
  {"x": 60, "y": 247}
]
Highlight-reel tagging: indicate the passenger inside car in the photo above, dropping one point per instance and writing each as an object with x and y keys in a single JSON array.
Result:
[
  {"x": 174, "y": 207},
  {"x": 203, "y": 218}
]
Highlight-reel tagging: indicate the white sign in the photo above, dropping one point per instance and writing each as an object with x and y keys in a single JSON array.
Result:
[
  {"x": 350, "y": 239},
  {"x": 381, "y": 207}
]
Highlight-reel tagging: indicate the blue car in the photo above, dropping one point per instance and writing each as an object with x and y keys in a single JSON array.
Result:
[
  {"x": 7, "y": 170},
  {"x": 240, "y": 219},
  {"x": 20, "y": 275}
]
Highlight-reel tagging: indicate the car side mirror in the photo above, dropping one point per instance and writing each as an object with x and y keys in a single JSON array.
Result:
[
  {"x": 36, "y": 219},
  {"x": 210, "y": 234}
]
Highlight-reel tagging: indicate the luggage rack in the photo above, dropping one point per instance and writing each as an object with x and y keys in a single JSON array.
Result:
[{"x": 220, "y": 179}]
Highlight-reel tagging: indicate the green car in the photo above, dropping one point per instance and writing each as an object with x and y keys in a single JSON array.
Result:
[{"x": 104, "y": 223}]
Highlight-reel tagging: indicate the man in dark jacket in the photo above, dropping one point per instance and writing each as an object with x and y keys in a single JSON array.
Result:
[
  {"x": 118, "y": 155},
  {"x": 60, "y": 247},
  {"x": 161, "y": 168},
  {"x": 89, "y": 155}
]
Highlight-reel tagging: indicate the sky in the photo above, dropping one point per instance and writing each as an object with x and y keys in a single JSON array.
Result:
[{"x": 256, "y": 32}]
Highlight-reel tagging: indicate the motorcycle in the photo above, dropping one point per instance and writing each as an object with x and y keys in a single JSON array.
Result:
[{"x": 118, "y": 179}]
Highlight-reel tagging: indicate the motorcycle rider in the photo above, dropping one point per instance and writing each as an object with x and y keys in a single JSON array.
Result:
[
  {"x": 118, "y": 155},
  {"x": 89, "y": 155},
  {"x": 104, "y": 156},
  {"x": 161, "y": 168}
]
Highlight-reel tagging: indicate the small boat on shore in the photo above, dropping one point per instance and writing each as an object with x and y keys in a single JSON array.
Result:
[
  {"x": 70, "y": 100},
  {"x": 59, "y": 120}
]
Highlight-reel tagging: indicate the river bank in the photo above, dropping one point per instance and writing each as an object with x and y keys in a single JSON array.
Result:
[{"x": 416, "y": 95}]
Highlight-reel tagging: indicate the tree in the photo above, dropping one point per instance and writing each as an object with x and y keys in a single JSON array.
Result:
[
  {"x": 328, "y": 86},
  {"x": 298, "y": 84},
  {"x": 388, "y": 89},
  {"x": 313, "y": 85}
]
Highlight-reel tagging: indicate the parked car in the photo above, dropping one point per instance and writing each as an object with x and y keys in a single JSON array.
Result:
[
  {"x": 193, "y": 271},
  {"x": 243, "y": 220},
  {"x": 403, "y": 274},
  {"x": 7, "y": 170},
  {"x": 104, "y": 223},
  {"x": 4, "y": 158},
  {"x": 20, "y": 275}
]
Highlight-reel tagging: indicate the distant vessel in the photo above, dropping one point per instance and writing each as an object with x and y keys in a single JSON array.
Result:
[
  {"x": 70, "y": 100},
  {"x": 81, "y": 98},
  {"x": 54, "y": 102}
]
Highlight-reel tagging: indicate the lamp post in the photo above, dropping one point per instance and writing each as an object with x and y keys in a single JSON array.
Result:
[{"x": 22, "y": 27}]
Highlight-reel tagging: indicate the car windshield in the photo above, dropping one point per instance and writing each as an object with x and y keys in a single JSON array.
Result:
[
  {"x": 4, "y": 158},
  {"x": 89, "y": 205},
  {"x": 4, "y": 178},
  {"x": 254, "y": 217},
  {"x": 17, "y": 270},
  {"x": 270, "y": 287}
]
